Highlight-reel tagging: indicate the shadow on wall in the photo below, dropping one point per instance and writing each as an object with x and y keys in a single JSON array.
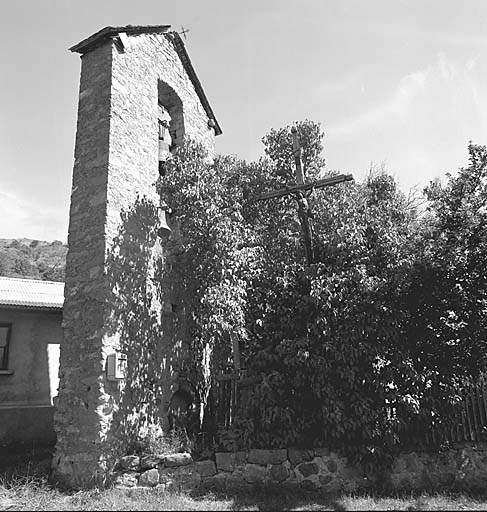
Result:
[{"x": 146, "y": 324}]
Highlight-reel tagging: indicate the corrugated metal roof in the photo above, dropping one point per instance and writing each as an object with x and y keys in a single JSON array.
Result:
[{"x": 31, "y": 293}]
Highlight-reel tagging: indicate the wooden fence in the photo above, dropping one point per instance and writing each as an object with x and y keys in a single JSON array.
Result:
[
  {"x": 471, "y": 422},
  {"x": 232, "y": 389}
]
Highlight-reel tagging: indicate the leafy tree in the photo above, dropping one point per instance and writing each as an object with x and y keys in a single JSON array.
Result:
[
  {"x": 33, "y": 259},
  {"x": 327, "y": 335},
  {"x": 343, "y": 352},
  {"x": 448, "y": 295},
  {"x": 278, "y": 145}
]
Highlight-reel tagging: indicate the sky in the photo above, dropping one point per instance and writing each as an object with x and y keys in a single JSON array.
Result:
[{"x": 399, "y": 83}]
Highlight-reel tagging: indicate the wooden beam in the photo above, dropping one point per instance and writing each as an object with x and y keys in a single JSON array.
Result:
[
  {"x": 297, "y": 156},
  {"x": 325, "y": 182}
]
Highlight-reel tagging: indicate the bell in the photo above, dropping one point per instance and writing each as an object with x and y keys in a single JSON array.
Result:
[{"x": 164, "y": 230}]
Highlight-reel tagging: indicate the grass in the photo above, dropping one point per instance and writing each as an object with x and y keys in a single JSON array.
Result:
[
  {"x": 23, "y": 486},
  {"x": 37, "y": 495}
]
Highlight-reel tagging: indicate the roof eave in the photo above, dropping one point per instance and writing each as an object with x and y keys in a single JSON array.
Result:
[
  {"x": 188, "y": 66},
  {"x": 107, "y": 33},
  {"x": 31, "y": 307}
]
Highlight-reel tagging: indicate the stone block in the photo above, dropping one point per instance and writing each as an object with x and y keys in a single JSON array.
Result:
[
  {"x": 265, "y": 457},
  {"x": 331, "y": 465},
  {"x": 310, "y": 485},
  {"x": 150, "y": 461},
  {"x": 237, "y": 485},
  {"x": 177, "y": 459},
  {"x": 129, "y": 479},
  {"x": 240, "y": 458},
  {"x": 254, "y": 474},
  {"x": 130, "y": 462},
  {"x": 296, "y": 456},
  {"x": 205, "y": 468},
  {"x": 216, "y": 482},
  {"x": 149, "y": 478},
  {"x": 278, "y": 473},
  {"x": 308, "y": 468},
  {"x": 325, "y": 479},
  {"x": 225, "y": 461},
  {"x": 180, "y": 477},
  {"x": 187, "y": 473},
  {"x": 322, "y": 452},
  {"x": 166, "y": 475}
]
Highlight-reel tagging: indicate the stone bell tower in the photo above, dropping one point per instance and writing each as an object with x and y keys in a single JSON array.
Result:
[{"x": 139, "y": 98}]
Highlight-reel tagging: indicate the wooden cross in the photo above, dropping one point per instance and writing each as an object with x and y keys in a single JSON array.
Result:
[{"x": 304, "y": 210}]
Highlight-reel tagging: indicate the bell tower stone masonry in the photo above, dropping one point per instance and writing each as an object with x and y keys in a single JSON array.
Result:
[{"x": 139, "y": 98}]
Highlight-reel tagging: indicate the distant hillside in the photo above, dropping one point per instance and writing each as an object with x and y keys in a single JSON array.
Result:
[{"x": 33, "y": 258}]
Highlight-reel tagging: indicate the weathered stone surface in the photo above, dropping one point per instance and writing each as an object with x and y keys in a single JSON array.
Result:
[
  {"x": 240, "y": 458},
  {"x": 322, "y": 452},
  {"x": 325, "y": 479},
  {"x": 278, "y": 472},
  {"x": 254, "y": 473},
  {"x": 267, "y": 456},
  {"x": 129, "y": 479},
  {"x": 130, "y": 462},
  {"x": 149, "y": 478},
  {"x": 308, "y": 468},
  {"x": 188, "y": 478},
  {"x": 179, "y": 474},
  {"x": 177, "y": 459},
  {"x": 217, "y": 482},
  {"x": 331, "y": 465},
  {"x": 296, "y": 456},
  {"x": 150, "y": 461},
  {"x": 310, "y": 485},
  {"x": 457, "y": 468},
  {"x": 205, "y": 468},
  {"x": 237, "y": 484},
  {"x": 225, "y": 461}
]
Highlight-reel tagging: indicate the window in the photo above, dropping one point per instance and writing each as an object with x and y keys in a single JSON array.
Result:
[{"x": 4, "y": 342}]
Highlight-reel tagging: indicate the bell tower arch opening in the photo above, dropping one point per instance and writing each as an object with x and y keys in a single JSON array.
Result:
[{"x": 170, "y": 121}]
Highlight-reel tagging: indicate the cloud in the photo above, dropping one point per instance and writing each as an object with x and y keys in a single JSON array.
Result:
[
  {"x": 396, "y": 106},
  {"x": 421, "y": 127},
  {"x": 25, "y": 219},
  {"x": 444, "y": 85}
]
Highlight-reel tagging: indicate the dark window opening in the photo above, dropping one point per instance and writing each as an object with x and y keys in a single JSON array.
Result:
[{"x": 4, "y": 345}]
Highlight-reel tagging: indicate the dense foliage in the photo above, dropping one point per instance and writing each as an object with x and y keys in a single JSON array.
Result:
[
  {"x": 206, "y": 203},
  {"x": 376, "y": 336},
  {"x": 34, "y": 259}
]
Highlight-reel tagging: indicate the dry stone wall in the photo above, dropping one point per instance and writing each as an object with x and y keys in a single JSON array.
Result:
[{"x": 463, "y": 467}]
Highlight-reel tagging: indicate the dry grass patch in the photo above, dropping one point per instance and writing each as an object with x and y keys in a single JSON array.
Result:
[{"x": 35, "y": 494}]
